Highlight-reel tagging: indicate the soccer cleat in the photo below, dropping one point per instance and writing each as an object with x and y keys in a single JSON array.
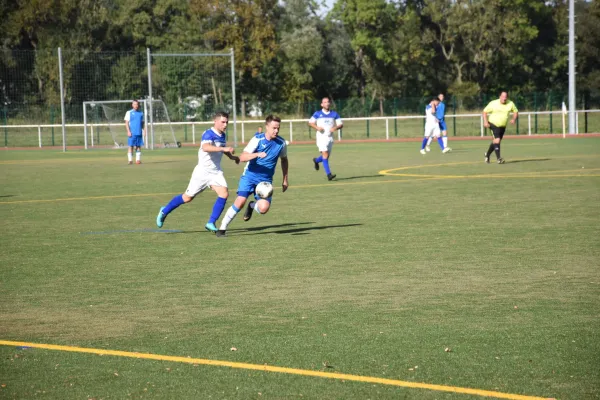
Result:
[
  {"x": 331, "y": 177},
  {"x": 422, "y": 151},
  {"x": 487, "y": 158},
  {"x": 316, "y": 164},
  {"x": 210, "y": 227},
  {"x": 160, "y": 218},
  {"x": 138, "y": 162},
  {"x": 447, "y": 149},
  {"x": 427, "y": 149},
  {"x": 248, "y": 213},
  {"x": 501, "y": 161},
  {"x": 130, "y": 162},
  {"x": 221, "y": 233}
]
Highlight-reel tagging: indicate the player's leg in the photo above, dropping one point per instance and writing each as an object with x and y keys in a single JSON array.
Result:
[
  {"x": 261, "y": 206},
  {"x": 444, "y": 130},
  {"x": 436, "y": 133},
  {"x": 197, "y": 184},
  {"x": 220, "y": 187},
  {"x": 130, "y": 155},
  {"x": 497, "y": 147},
  {"x": 326, "y": 158},
  {"x": 139, "y": 142},
  {"x": 426, "y": 138},
  {"x": 427, "y": 148},
  {"x": 490, "y": 149},
  {"x": 245, "y": 188}
]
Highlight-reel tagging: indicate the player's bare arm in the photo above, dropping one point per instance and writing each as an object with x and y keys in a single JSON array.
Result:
[
  {"x": 245, "y": 157},
  {"x": 514, "y": 118},
  {"x": 232, "y": 157},
  {"x": 284, "y": 168},
  {"x": 485, "y": 120},
  {"x": 128, "y": 130},
  {"x": 209, "y": 148},
  {"x": 336, "y": 128}
]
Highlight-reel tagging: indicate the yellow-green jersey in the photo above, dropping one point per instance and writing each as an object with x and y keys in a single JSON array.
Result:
[{"x": 498, "y": 112}]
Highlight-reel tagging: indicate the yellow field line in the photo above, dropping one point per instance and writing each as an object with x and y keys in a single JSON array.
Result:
[{"x": 283, "y": 370}]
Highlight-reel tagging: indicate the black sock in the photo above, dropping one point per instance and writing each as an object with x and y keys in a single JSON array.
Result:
[
  {"x": 497, "y": 150},
  {"x": 490, "y": 149}
]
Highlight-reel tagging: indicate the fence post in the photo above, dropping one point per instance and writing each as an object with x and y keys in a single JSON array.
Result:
[
  {"x": 535, "y": 109},
  {"x": 5, "y": 128},
  {"x": 185, "y": 125},
  {"x": 52, "y": 122},
  {"x": 454, "y": 113},
  {"x": 395, "y": 115},
  {"x": 550, "y": 108}
]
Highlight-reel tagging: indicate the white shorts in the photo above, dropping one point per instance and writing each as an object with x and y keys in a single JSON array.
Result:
[
  {"x": 202, "y": 179},
  {"x": 324, "y": 142},
  {"x": 432, "y": 130}
]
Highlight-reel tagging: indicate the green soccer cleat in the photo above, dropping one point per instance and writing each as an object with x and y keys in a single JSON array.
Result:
[
  {"x": 210, "y": 227},
  {"x": 160, "y": 218}
]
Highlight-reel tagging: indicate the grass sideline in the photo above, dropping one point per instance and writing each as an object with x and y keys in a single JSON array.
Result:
[{"x": 443, "y": 271}]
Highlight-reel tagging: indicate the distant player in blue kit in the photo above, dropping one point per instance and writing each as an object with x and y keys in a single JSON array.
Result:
[
  {"x": 261, "y": 154},
  {"x": 134, "y": 122},
  {"x": 207, "y": 173},
  {"x": 325, "y": 122},
  {"x": 440, "y": 114}
]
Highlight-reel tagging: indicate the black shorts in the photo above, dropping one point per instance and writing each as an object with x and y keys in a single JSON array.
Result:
[{"x": 497, "y": 131}]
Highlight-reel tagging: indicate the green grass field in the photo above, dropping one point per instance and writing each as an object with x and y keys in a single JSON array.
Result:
[{"x": 423, "y": 270}]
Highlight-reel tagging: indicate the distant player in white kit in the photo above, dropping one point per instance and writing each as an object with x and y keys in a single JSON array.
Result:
[
  {"x": 325, "y": 122},
  {"x": 208, "y": 173},
  {"x": 432, "y": 124}
]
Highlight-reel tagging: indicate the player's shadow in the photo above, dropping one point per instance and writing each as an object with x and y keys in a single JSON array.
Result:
[
  {"x": 252, "y": 229},
  {"x": 528, "y": 160},
  {"x": 358, "y": 177},
  {"x": 8, "y": 195},
  {"x": 297, "y": 231}
]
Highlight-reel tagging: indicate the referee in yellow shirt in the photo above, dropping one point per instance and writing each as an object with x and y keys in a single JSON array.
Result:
[{"x": 495, "y": 117}]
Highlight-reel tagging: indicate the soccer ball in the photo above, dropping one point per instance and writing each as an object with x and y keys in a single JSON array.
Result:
[{"x": 264, "y": 190}]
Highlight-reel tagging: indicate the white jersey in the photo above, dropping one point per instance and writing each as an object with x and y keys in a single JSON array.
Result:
[
  {"x": 211, "y": 162},
  {"x": 430, "y": 118},
  {"x": 325, "y": 120}
]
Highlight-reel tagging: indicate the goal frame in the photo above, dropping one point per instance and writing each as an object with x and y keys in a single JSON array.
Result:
[{"x": 149, "y": 55}]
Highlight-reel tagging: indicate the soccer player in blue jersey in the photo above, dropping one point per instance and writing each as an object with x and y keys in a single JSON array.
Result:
[
  {"x": 440, "y": 114},
  {"x": 261, "y": 154},
  {"x": 325, "y": 122},
  {"x": 134, "y": 122},
  {"x": 207, "y": 173}
]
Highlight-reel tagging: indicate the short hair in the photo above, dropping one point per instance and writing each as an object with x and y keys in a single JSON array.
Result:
[
  {"x": 270, "y": 118},
  {"x": 135, "y": 101},
  {"x": 326, "y": 97},
  {"x": 219, "y": 114},
  {"x": 435, "y": 99}
]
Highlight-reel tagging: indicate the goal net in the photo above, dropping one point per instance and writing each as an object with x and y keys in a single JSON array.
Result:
[{"x": 104, "y": 124}]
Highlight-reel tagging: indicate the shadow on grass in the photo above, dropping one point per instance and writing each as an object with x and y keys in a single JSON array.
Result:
[
  {"x": 296, "y": 231},
  {"x": 8, "y": 195},
  {"x": 358, "y": 177},
  {"x": 528, "y": 160},
  {"x": 252, "y": 229}
]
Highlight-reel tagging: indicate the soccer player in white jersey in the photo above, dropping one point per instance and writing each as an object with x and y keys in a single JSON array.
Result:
[
  {"x": 134, "y": 122},
  {"x": 325, "y": 122},
  {"x": 432, "y": 125},
  {"x": 207, "y": 173},
  {"x": 440, "y": 114},
  {"x": 261, "y": 154}
]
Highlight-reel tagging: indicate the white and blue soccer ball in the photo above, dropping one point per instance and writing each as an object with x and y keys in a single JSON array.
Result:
[{"x": 264, "y": 190}]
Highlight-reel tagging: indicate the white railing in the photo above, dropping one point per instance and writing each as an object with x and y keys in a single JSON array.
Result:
[{"x": 290, "y": 122}]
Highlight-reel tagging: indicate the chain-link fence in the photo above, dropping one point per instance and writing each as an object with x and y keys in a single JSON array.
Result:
[{"x": 192, "y": 88}]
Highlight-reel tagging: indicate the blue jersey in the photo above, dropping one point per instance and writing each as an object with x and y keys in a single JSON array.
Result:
[
  {"x": 440, "y": 111},
  {"x": 326, "y": 120},
  {"x": 263, "y": 169},
  {"x": 136, "y": 121}
]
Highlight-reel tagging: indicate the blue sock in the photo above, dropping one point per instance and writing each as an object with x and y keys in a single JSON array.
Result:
[
  {"x": 424, "y": 143},
  {"x": 173, "y": 204},
  {"x": 441, "y": 143},
  {"x": 319, "y": 159},
  {"x": 326, "y": 166},
  {"x": 217, "y": 209}
]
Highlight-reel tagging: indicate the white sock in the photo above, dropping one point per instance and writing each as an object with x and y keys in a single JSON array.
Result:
[
  {"x": 429, "y": 140},
  {"x": 229, "y": 216},
  {"x": 129, "y": 157},
  {"x": 138, "y": 155},
  {"x": 445, "y": 140},
  {"x": 256, "y": 207}
]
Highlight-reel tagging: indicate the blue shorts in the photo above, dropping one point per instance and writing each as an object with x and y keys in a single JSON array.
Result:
[
  {"x": 443, "y": 126},
  {"x": 135, "y": 141},
  {"x": 247, "y": 186}
]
